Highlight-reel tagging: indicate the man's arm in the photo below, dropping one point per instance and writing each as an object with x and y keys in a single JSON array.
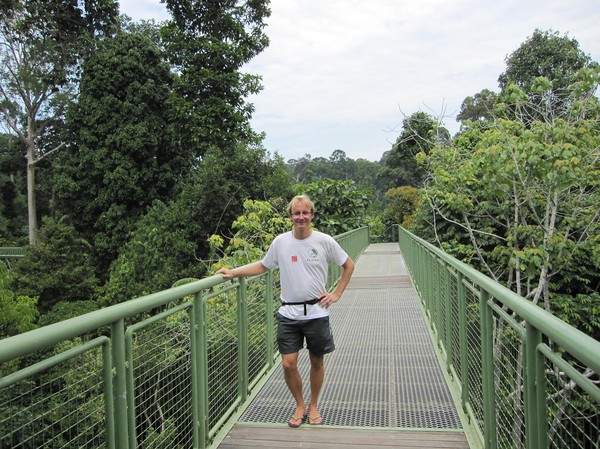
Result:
[
  {"x": 249, "y": 270},
  {"x": 333, "y": 297}
]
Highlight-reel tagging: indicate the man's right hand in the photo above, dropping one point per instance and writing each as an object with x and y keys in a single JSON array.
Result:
[{"x": 226, "y": 272}]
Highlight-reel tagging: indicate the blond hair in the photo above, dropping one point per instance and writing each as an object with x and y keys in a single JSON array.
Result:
[{"x": 300, "y": 199}]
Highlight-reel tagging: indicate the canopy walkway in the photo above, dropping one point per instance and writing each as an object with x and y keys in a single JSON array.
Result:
[
  {"x": 384, "y": 386},
  {"x": 430, "y": 353}
]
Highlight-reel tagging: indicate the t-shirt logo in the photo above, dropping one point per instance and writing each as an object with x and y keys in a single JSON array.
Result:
[
  {"x": 294, "y": 258},
  {"x": 313, "y": 255}
]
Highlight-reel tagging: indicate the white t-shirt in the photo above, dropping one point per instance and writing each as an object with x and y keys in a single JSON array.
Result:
[{"x": 303, "y": 266}]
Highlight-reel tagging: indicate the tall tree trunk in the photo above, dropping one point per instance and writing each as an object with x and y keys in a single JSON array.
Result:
[{"x": 31, "y": 207}]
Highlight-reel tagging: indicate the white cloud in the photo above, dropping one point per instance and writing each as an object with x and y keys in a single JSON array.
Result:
[
  {"x": 144, "y": 9},
  {"x": 338, "y": 73}
]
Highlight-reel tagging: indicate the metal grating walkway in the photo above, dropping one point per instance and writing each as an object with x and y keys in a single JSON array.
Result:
[{"x": 384, "y": 371}]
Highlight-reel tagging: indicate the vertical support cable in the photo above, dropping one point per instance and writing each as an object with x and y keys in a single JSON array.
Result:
[
  {"x": 487, "y": 375},
  {"x": 120, "y": 384}
]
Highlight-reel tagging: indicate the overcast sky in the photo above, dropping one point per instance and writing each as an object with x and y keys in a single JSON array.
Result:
[{"x": 343, "y": 74}]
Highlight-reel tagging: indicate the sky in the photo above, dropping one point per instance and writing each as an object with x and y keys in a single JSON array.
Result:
[{"x": 343, "y": 74}]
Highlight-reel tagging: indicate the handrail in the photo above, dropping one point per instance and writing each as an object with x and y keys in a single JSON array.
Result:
[
  {"x": 34, "y": 340},
  {"x": 11, "y": 251},
  {"x": 519, "y": 370},
  {"x": 173, "y": 366}
]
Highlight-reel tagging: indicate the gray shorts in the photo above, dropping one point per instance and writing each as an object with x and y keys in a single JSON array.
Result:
[{"x": 291, "y": 335}]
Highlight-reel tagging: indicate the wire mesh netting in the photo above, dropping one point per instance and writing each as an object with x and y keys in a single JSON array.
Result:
[
  {"x": 521, "y": 389},
  {"x": 61, "y": 407},
  {"x": 161, "y": 370},
  {"x": 165, "y": 370},
  {"x": 222, "y": 349},
  {"x": 574, "y": 415},
  {"x": 509, "y": 385},
  {"x": 474, "y": 364}
]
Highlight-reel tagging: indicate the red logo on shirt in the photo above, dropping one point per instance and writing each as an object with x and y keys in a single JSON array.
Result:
[{"x": 294, "y": 258}]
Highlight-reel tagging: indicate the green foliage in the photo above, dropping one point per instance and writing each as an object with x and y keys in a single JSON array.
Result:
[
  {"x": 340, "y": 205},
  {"x": 42, "y": 44},
  {"x": 124, "y": 155},
  {"x": 17, "y": 313},
  {"x": 208, "y": 43},
  {"x": 403, "y": 202},
  {"x": 525, "y": 195},
  {"x": 544, "y": 54},
  {"x": 479, "y": 107},
  {"x": 419, "y": 135},
  {"x": 338, "y": 167},
  {"x": 59, "y": 268},
  {"x": 255, "y": 229},
  {"x": 159, "y": 252},
  {"x": 13, "y": 200},
  {"x": 63, "y": 310},
  {"x": 580, "y": 311},
  {"x": 542, "y": 69}
]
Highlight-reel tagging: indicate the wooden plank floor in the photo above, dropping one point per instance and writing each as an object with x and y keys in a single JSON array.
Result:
[{"x": 325, "y": 437}]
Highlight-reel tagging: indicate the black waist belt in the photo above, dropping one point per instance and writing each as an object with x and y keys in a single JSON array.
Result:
[{"x": 310, "y": 302}]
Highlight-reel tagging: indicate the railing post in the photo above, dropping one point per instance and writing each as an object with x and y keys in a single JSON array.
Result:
[
  {"x": 463, "y": 340},
  {"x": 200, "y": 354},
  {"x": 269, "y": 310},
  {"x": 448, "y": 343},
  {"x": 534, "y": 393},
  {"x": 487, "y": 375},
  {"x": 109, "y": 408},
  {"x": 120, "y": 384},
  {"x": 194, "y": 326},
  {"x": 434, "y": 292},
  {"x": 242, "y": 319}
]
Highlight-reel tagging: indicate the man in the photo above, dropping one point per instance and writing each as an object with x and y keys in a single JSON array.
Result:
[{"x": 302, "y": 256}]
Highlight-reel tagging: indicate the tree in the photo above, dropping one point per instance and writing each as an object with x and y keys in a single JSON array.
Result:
[
  {"x": 123, "y": 155},
  {"x": 13, "y": 199},
  {"x": 255, "y": 229},
  {"x": 478, "y": 107},
  {"x": 17, "y": 313},
  {"x": 41, "y": 43},
  {"x": 208, "y": 43},
  {"x": 420, "y": 133},
  {"x": 297, "y": 169},
  {"x": 526, "y": 195},
  {"x": 59, "y": 268},
  {"x": 340, "y": 205},
  {"x": 403, "y": 202},
  {"x": 159, "y": 252},
  {"x": 547, "y": 55},
  {"x": 342, "y": 166},
  {"x": 171, "y": 241}
]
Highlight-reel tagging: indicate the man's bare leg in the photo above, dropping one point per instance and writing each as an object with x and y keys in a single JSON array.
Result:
[
  {"x": 293, "y": 380},
  {"x": 317, "y": 375}
]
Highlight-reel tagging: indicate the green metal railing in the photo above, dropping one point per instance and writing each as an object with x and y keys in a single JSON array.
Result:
[
  {"x": 8, "y": 253},
  {"x": 525, "y": 378},
  {"x": 167, "y": 370}
]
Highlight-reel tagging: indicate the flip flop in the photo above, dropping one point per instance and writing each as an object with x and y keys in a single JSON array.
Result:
[
  {"x": 316, "y": 421},
  {"x": 295, "y": 421}
]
